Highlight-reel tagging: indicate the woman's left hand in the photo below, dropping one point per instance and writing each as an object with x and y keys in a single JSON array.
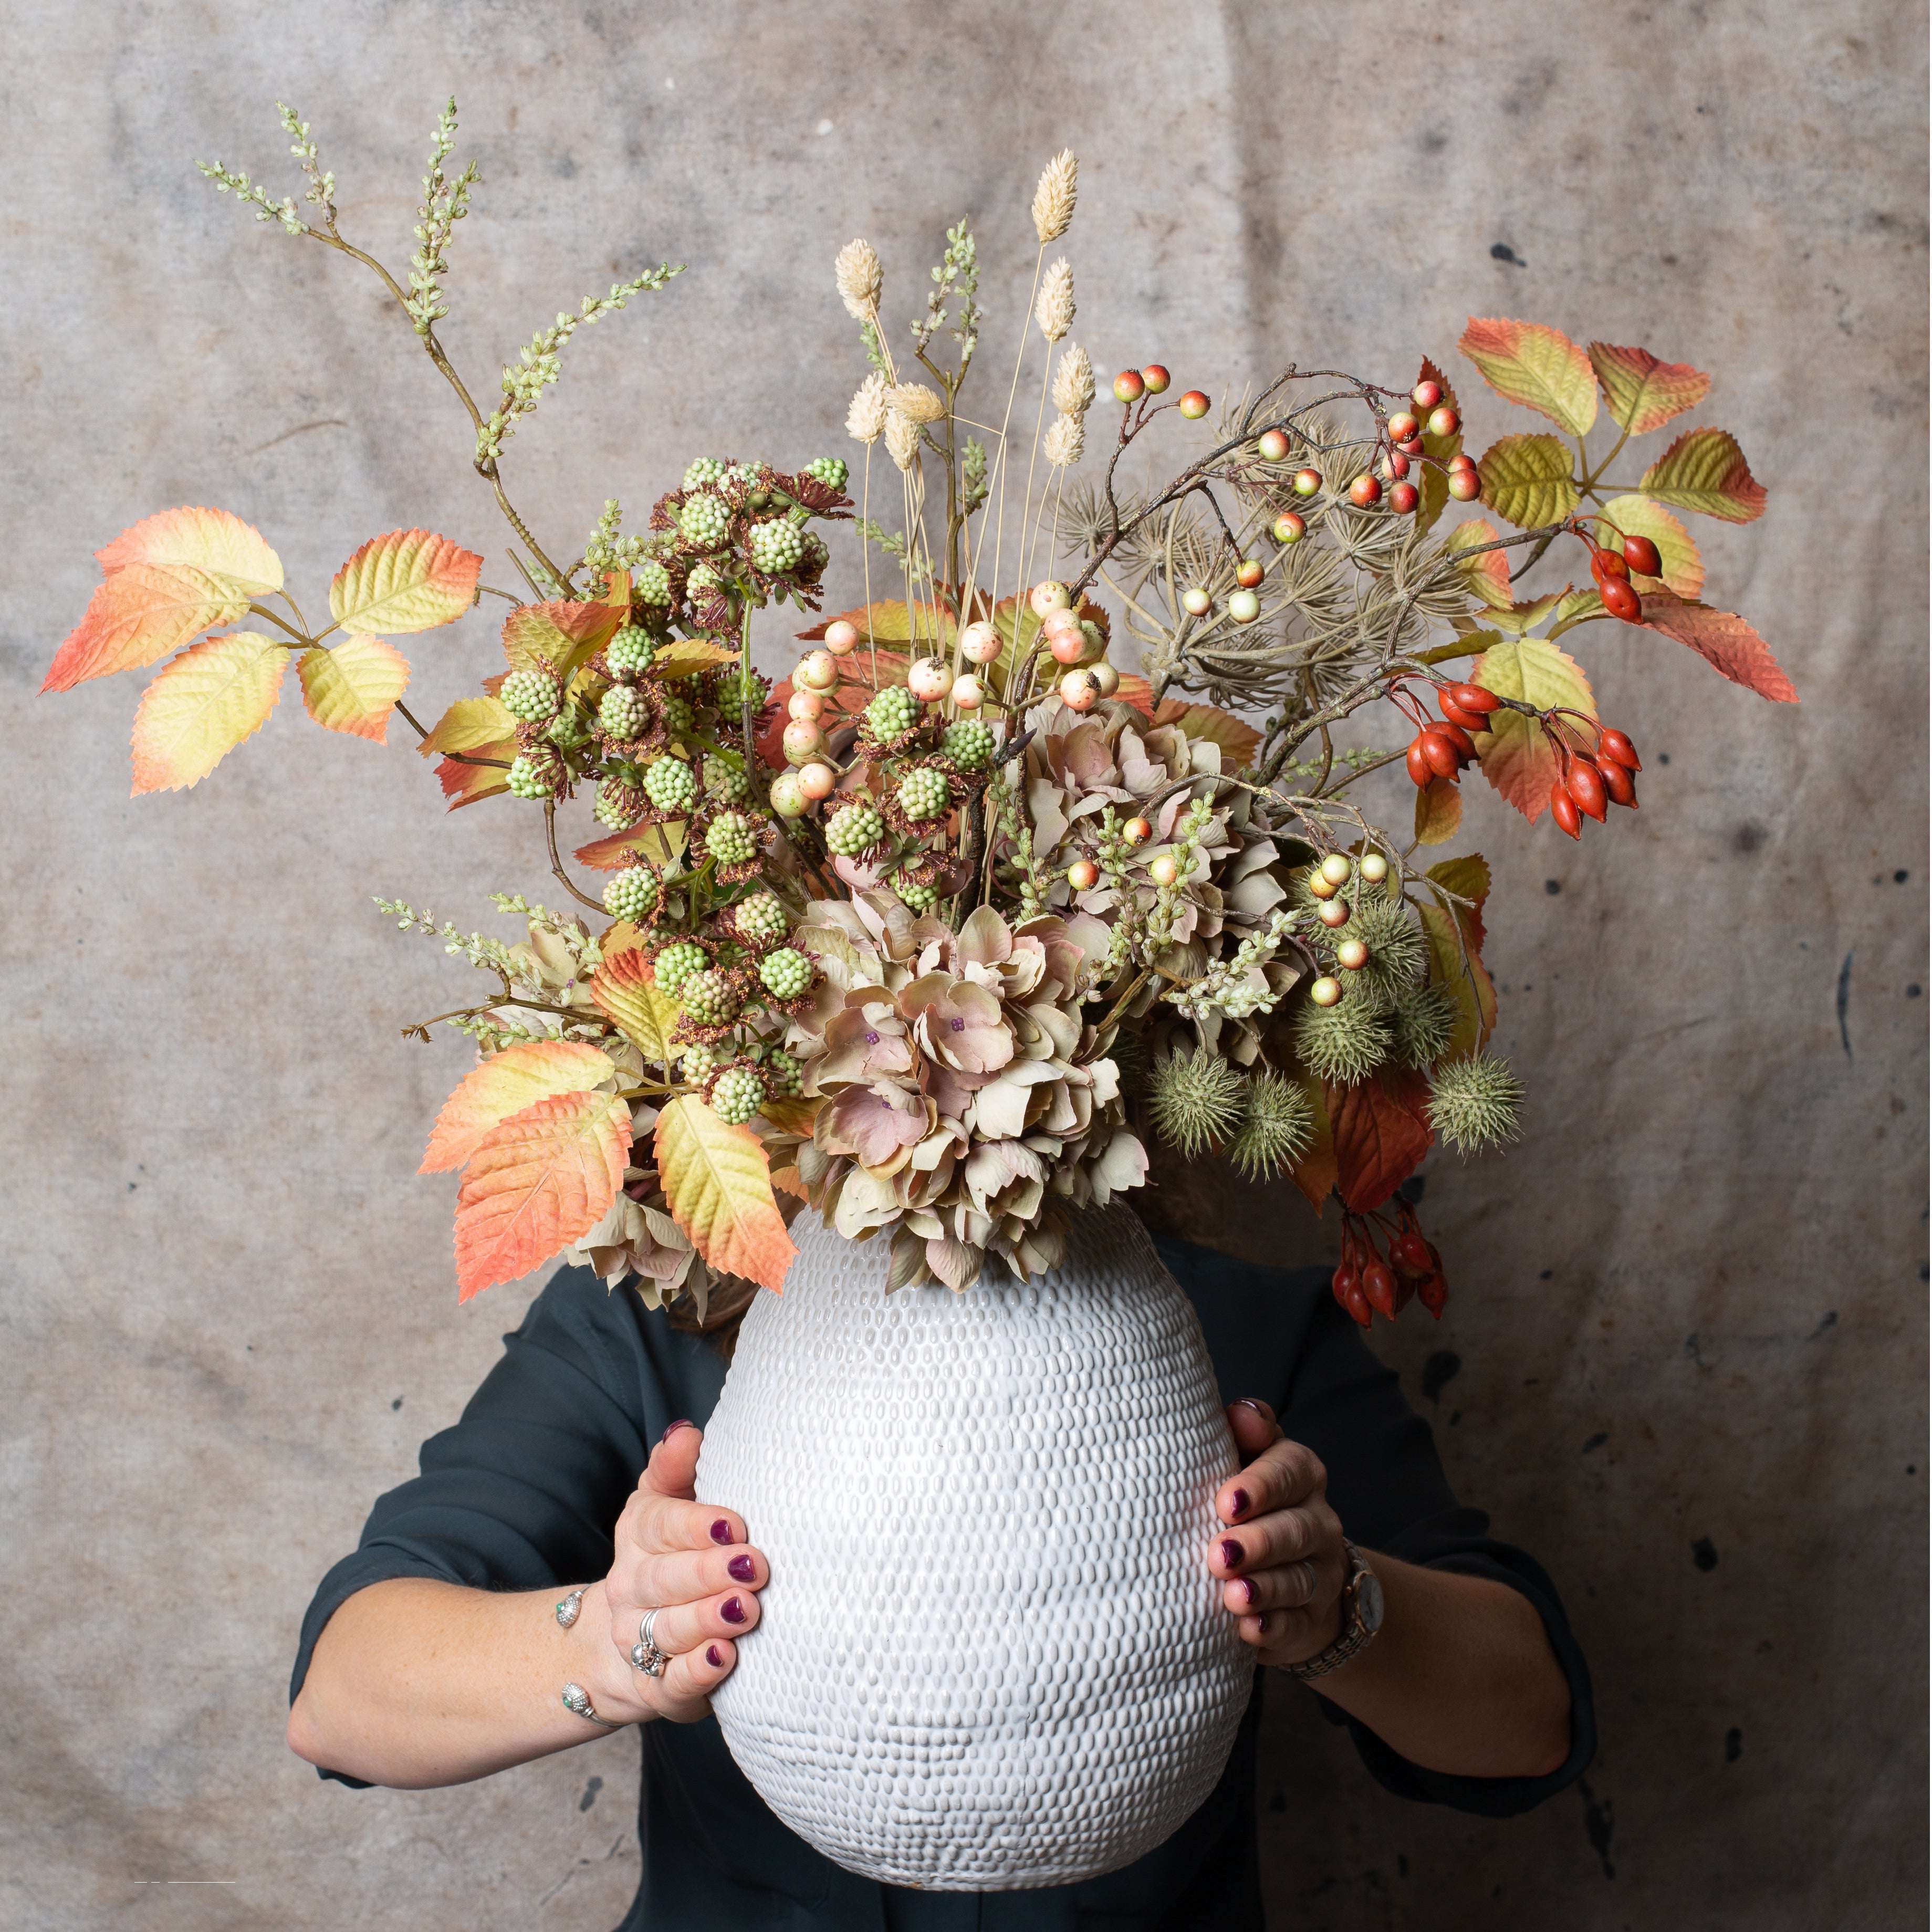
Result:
[{"x": 1281, "y": 1555}]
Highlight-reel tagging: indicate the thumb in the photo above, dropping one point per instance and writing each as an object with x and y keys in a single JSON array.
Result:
[
  {"x": 672, "y": 1468},
  {"x": 1254, "y": 1425}
]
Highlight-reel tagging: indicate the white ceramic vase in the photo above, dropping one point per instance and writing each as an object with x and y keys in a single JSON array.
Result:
[{"x": 991, "y": 1655}]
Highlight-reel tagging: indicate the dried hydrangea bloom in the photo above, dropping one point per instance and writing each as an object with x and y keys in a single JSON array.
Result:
[
  {"x": 865, "y": 420},
  {"x": 1055, "y": 311},
  {"x": 860, "y": 278},
  {"x": 1053, "y": 200}
]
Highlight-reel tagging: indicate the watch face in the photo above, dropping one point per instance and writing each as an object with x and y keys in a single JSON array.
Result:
[{"x": 1369, "y": 1601}]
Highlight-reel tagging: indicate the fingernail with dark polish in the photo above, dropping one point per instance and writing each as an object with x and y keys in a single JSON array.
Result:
[
  {"x": 1249, "y": 1402},
  {"x": 713, "y": 1657},
  {"x": 682, "y": 1422},
  {"x": 1237, "y": 1503},
  {"x": 1260, "y": 1625},
  {"x": 742, "y": 1569},
  {"x": 1249, "y": 1590},
  {"x": 721, "y": 1532},
  {"x": 732, "y": 1611},
  {"x": 1232, "y": 1555}
]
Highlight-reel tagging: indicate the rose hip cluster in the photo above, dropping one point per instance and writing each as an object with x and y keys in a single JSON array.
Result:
[
  {"x": 1612, "y": 571},
  {"x": 1368, "y": 1283},
  {"x": 1443, "y": 748},
  {"x": 1590, "y": 780}
]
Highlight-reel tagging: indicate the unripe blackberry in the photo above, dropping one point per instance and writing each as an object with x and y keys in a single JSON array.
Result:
[
  {"x": 710, "y": 998},
  {"x": 853, "y": 828},
  {"x": 725, "y": 781},
  {"x": 732, "y": 838},
  {"x": 629, "y": 651},
  {"x": 891, "y": 714},
  {"x": 777, "y": 546},
  {"x": 703, "y": 521},
  {"x": 619, "y": 806},
  {"x": 538, "y": 773},
  {"x": 924, "y": 794},
  {"x": 631, "y": 894},
  {"x": 746, "y": 476},
  {"x": 737, "y": 1094},
  {"x": 652, "y": 583},
  {"x": 669, "y": 785},
  {"x": 703, "y": 472},
  {"x": 677, "y": 716},
  {"x": 829, "y": 470},
  {"x": 623, "y": 712},
  {"x": 704, "y": 582},
  {"x": 696, "y": 1063},
  {"x": 1473, "y": 1104},
  {"x": 783, "y": 1073},
  {"x": 786, "y": 973},
  {"x": 762, "y": 919},
  {"x": 968, "y": 743},
  {"x": 534, "y": 696},
  {"x": 675, "y": 964}
]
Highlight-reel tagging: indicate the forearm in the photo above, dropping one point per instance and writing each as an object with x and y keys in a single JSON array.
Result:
[
  {"x": 415, "y": 1683},
  {"x": 1460, "y": 1678}
]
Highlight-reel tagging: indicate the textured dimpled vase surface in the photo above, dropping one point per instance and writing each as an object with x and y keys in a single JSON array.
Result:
[{"x": 991, "y": 1655}]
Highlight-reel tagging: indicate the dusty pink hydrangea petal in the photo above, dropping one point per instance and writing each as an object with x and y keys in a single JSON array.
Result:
[
  {"x": 984, "y": 938},
  {"x": 878, "y": 1126}
]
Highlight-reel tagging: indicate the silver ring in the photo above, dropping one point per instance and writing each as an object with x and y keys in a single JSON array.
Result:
[
  {"x": 645, "y": 1654},
  {"x": 577, "y": 1699},
  {"x": 1307, "y": 1566},
  {"x": 647, "y": 1629}
]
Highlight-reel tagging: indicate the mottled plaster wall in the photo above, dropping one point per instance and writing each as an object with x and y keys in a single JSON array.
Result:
[{"x": 1686, "y": 1335}]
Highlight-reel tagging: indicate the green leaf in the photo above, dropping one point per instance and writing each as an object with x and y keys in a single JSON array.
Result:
[
  {"x": 1527, "y": 480},
  {"x": 1541, "y": 367},
  {"x": 1516, "y": 758},
  {"x": 1706, "y": 471}
]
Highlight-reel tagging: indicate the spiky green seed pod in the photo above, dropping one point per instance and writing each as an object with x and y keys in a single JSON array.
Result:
[
  {"x": 853, "y": 828},
  {"x": 629, "y": 651},
  {"x": 1345, "y": 1043},
  {"x": 787, "y": 972},
  {"x": 1397, "y": 948},
  {"x": 538, "y": 773},
  {"x": 1474, "y": 1104},
  {"x": 892, "y": 713},
  {"x": 651, "y": 582},
  {"x": 725, "y": 782},
  {"x": 761, "y": 919},
  {"x": 1196, "y": 1099},
  {"x": 703, "y": 521},
  {"x": 732, "y": 838},
  {"x": 925, "y": 794},
  {"x": 829, "y": 470},
  {"x": 619, "y": 806},
  {"x": 1424, "y": 1018},
  {"x": 968, "y": 743},
  {"x": 679, "y": 718},
  {"x": 703, "y": 471},
  {"x": 737, "y": 1094},
  {"x": 783, "y": 1074},
  {"x": 669, "y": 785},
  {"x": 918, "y": 898},
  {"x": 534, "y": 696},
  {"x": 624, "y": 713},
  {"x": 1276, "y": 1129},
  {"x": 631, "y": 894},
  {"x": 777, "y": 546},
  {"x": 676, "y": 964},
  {"x": 696, "y": 1063},
  {"x": 710, "y": 998}
]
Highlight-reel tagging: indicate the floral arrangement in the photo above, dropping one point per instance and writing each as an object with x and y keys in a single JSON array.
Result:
[{"x": 934, "y": 933}]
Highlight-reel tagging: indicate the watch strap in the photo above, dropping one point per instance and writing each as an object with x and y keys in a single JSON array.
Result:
[{"x": 1355, "y": 1637}]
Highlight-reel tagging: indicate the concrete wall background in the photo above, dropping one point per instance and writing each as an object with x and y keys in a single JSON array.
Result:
[{"x": 1687, "y": 1311}]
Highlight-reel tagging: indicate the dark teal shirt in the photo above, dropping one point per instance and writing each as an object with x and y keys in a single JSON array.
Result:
[{"x": 523, "y": 1493}]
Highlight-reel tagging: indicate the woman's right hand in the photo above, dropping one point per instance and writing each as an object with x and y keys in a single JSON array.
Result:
[{"x": 692, "y": 1564}]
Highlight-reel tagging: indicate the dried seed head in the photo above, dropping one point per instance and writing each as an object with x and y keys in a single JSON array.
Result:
[
  {"x": 860, "y": 278},
  {"x": 1073, "y": 382},
  {"x": 917, "y": 403},
  {"x": 865, "y": 420},
  {"x": 1065, "y": 442},
  {"x": 1053, "y": 198},
  {"x": 901, "y": 438},
  {"x": 1055, "y": 310}
]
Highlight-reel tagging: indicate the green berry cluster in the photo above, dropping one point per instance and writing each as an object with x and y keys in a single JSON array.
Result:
[
  {"x": 703, "y": 471},
  {"x": 703, "y": 521},
  {"x": 538, "y": 773},
  {"x": 676, "y": 964},
  {"x": 829, "y": 470},
  {"x": 732, "y": 838},
  {"x": 624, "y": 712},
  {"x": 669, "y": 785},
  {"x": 783, "y": 1074},
  {"x": 925, "y": 794},
  {"x": 619, "y": 806},
  {"x": 629, "y": 651},
  {"x": 854, "y": 828},
  {"x": 651, "y": 582},
  {"x": 697, "y": 1063},
  {"x": 737, "y": 1094},
  {"x": 919, "y": 897},
  {"x": 631, "y": 894},
  {"x": 534, "y": 696},
  {"x": 679, "y": 718},
  {"x": 787, "y": 973},
  {"x": 778, "y": 546},
  {"x": 725, "y": 782},
  {"x": 710, "y": 998},
  {"x": 968, "y": 743},
  {"x": 891, "y": 714},
  {"x": 762, "y": 919}
]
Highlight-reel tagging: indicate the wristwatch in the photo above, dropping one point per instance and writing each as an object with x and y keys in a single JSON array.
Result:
[{"x": 1361, "y": 1617}]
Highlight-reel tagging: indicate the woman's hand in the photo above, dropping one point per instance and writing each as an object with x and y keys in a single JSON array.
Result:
[
  {"x": 691, "y": 1564},
  {"x": 1281, "y": 1554}
]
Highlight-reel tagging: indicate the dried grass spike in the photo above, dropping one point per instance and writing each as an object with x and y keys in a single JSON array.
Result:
[
  {"x": 860, "y": 278},
  {"x": 901, "y": 438},
  {"x": 917, "y": 403},
  {"x": 865, "y": 420},
  {"x": 1055, "y": 310},
  {"x": 1065, "y": 443},
  {"x": 1073, "y": 382},
  {"x": 1053, "y": 200}
]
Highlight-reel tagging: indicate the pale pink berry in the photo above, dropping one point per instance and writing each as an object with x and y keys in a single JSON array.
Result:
[
  {"x": 980, "y": 642},
  {"x": 817, "y": 780},
  {"x": 840, "y": 636},
  {"x": 968, "y": 693},
  {"x": 929, "y": 679}
]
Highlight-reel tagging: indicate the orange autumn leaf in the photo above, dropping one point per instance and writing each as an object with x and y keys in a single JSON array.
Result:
[
  {"x": 560, "y": 634},
  {"x": 539, "y": 1181},
  {"x": 1235, "y": 736},
  {"x": 1539, "y": 367},
  {"x": 1433, "y": 474},
  {"x": 354, "y": 688},
  {"x": 628, "y": 997},
  {"x": 1455, "y": 935},
  {"x": 718, "y": 1182},
  {"x": 1487, "y": 573},
  {"x": 1723, "y": 640},
  {"x": 201, "y": 706},
  {"x": 472, "y": 728},
  {"x": 1314, "y": 1172},
  {"x": 1643, "y": 393},
  {"x": 406, "y": 581},
  {"x": 503, "y": 1086},
  {"x": 141, "y": 612},
  {"x": 214, "y": 541},
  {"x": 1515, "y": 754},
  {"x": 1706, "y": 471},
  {"x": 1381, "y": 1131}
]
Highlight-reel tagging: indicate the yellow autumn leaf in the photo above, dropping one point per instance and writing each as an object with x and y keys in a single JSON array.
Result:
[
  {"x": 1530, "y": 363},
  {"x": 406, "y": 580},
  {"x": 718, "y": 1182},
  {"x": 628, "y": 997},
  {"x": 505, "y": 1085},
  {"x": 1527, "y": 480},
  {"x": 201, "y": 706},
  {"x": 354, "y": 688}
]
